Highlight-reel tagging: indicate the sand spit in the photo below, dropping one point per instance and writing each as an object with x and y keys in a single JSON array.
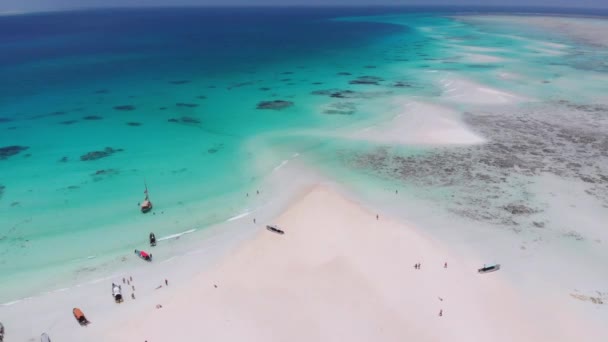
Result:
[
  {"x": 337, "y": 274},
  {"x": 461, "y": 90},
  {"x": 420, "y": 123}
]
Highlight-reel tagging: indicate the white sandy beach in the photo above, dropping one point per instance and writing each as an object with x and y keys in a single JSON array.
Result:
[{"x": 340, "y": 274}]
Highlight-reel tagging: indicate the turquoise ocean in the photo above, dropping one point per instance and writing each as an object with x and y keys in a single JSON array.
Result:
[{"x": 95, "y": 104}]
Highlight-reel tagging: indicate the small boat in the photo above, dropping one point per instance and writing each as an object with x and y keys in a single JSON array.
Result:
[
  {"x": 152, "y": 240},
  {"x": 146, "y": 205},
  {"x": 117, "y": 293},
  {"x": 1, "y": 332},
  {"x": 45, "y": 338},
  {"x": 487, "y": 269},
  {"x": 144, "y": 255},
  {"x": 275, "y": 229},
  {"x": 80, "y": 317}
]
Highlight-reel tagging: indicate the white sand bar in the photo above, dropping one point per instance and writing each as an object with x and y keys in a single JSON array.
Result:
[{"x": 340, "y": 274}]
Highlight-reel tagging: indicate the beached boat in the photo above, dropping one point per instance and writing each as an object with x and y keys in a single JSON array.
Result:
[
  {"x": 45, "y": 338},
  {"x": 117, "y": 293},
  {"x": 80, "y": 317},
  {"x": 144, "y": 255},
  {"x": 275, "y": 229},
  {"x": 152, "y": 240},
  {"x": 146, "y": 205},
  {"x": 487, "y": 269}
]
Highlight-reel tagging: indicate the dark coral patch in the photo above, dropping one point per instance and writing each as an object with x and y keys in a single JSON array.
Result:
[
  {"x": 344, "y": 73},
  {"x": 275, "y": 105},
  {"x": 134, "y": 124},
  {"x": 186, "y": 105},
  {"x": 94, "y": 155},
  {"x": 101, "y": 174},
  {"x": 265, "y": 89},
  {"x": 370, "y": 67},
  {"x": 2, "y": 187},
  {"x": 317, "y": 83},
  {"x": 286, "y": 73},
  {"x": 68, "y": 122},
  {"x": 180, "y": 82},
  {"x": 9, "y": 151},
  {"x": 341, "y": 108},
  {"x": 402, "y": 85},
  {"x": 92, "y": 117},
  {"x": 370, "y": 80},
  {"x": 162, "y": 108},
  {"x": 188, "y": 120},
  {"x": 125, "y": 107}
]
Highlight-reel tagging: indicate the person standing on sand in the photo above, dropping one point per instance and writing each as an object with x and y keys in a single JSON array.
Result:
[
  {"x": 377, "y": 217},
  {"x": 445, "y": 265},
  {"x": 166, "y": 282},
  {"x": 440, "y": 312}
]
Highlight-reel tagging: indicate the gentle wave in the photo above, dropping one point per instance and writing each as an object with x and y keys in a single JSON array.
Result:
[
  {"x": 280, "y": 165},
  {"x": 238, "y": 216},
  {"x": 175, "y": 236}
]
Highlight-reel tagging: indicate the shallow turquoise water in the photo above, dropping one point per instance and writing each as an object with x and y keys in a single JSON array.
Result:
[{"x": 61, "y": 215}]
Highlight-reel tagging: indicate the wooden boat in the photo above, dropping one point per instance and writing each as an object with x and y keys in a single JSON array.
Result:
[
  {"x": 488, "y": 269},
  {"x": 80, "y": 317},
  {"x": 275, "y": 229},
  {"x": 144, "y": 255},
  {"x": 152, "y": 240},
  {"x": 117, "y": 293},
  {"x": 146, "y": 205}
]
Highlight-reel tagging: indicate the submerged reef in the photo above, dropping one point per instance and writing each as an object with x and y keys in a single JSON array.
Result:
[
  {"x": 185, "y": 120},
  {"x": 102, "y": 174},
  {"x": 92, "y": 117},
  {"x": 349, "y": 94},
  {"x": 68, "y": 122},
  {"x": 9, "y": 151},
  {"x": 134, "y": 124},
  {"x": 180, "y": 82},
  {"x": 124, "y": 107},
  {"x": 340, "y": 108},
  {"x": 369, "y": 80},
  {"x": 186, "y": 105},
  {"x": 275, "y": 105},
  {"x": 344, "y": 73},
  {"x": 490, "y": 182},
  {"x": 94, "y": 155}
]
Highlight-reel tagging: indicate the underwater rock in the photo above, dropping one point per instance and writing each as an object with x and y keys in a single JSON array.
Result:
[
  {"x": 185, "y": 120},
  {"x": 348, "y": 94},
  {"x": 92, "y": 117},
  {"x": 9, "y": 151},
  {"x": 125, "y": 107},
  {"x": 369, "y": 80},
  {"x": 402, "y": 85},
  {"x": 317, "y": 83},
  {"x": 162, "y": 108},
  {"x": 344, "y": 73},
  {"x": 518, "y": 209},
  {"x": 264, "y": 89},
  {"x": 286, "y": 73},
  {"x": 370, "y": 67},
  {"x": 275, "y": 105},
  {"x": 238, "y": 85},
  {"x": 340, "y": 108},
  {"x": 180, "y": 82},
  {"x": 187, "y": 105},
  {"x": 94, "y": 155},
  {"x": 68, "y": 122},
  {"x": 285, "y": 80},
  {"x": 134, "y": 124},
  {"x": 63, "y": 160}
]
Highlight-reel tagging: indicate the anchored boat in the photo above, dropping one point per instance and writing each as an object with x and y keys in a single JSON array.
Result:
[
  {"x": 275, "y": 229},
  {"x": 146, "y": 205},
  {"x": 488, "y": 269}
]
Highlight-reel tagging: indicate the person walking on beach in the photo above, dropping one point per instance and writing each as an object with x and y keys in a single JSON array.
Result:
[
  {"x": 377, "y": 217},
  {"x": 166, "y": 282},
  {"x": 440, "y": 312},
  {"x": 445, "y": 265}
]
